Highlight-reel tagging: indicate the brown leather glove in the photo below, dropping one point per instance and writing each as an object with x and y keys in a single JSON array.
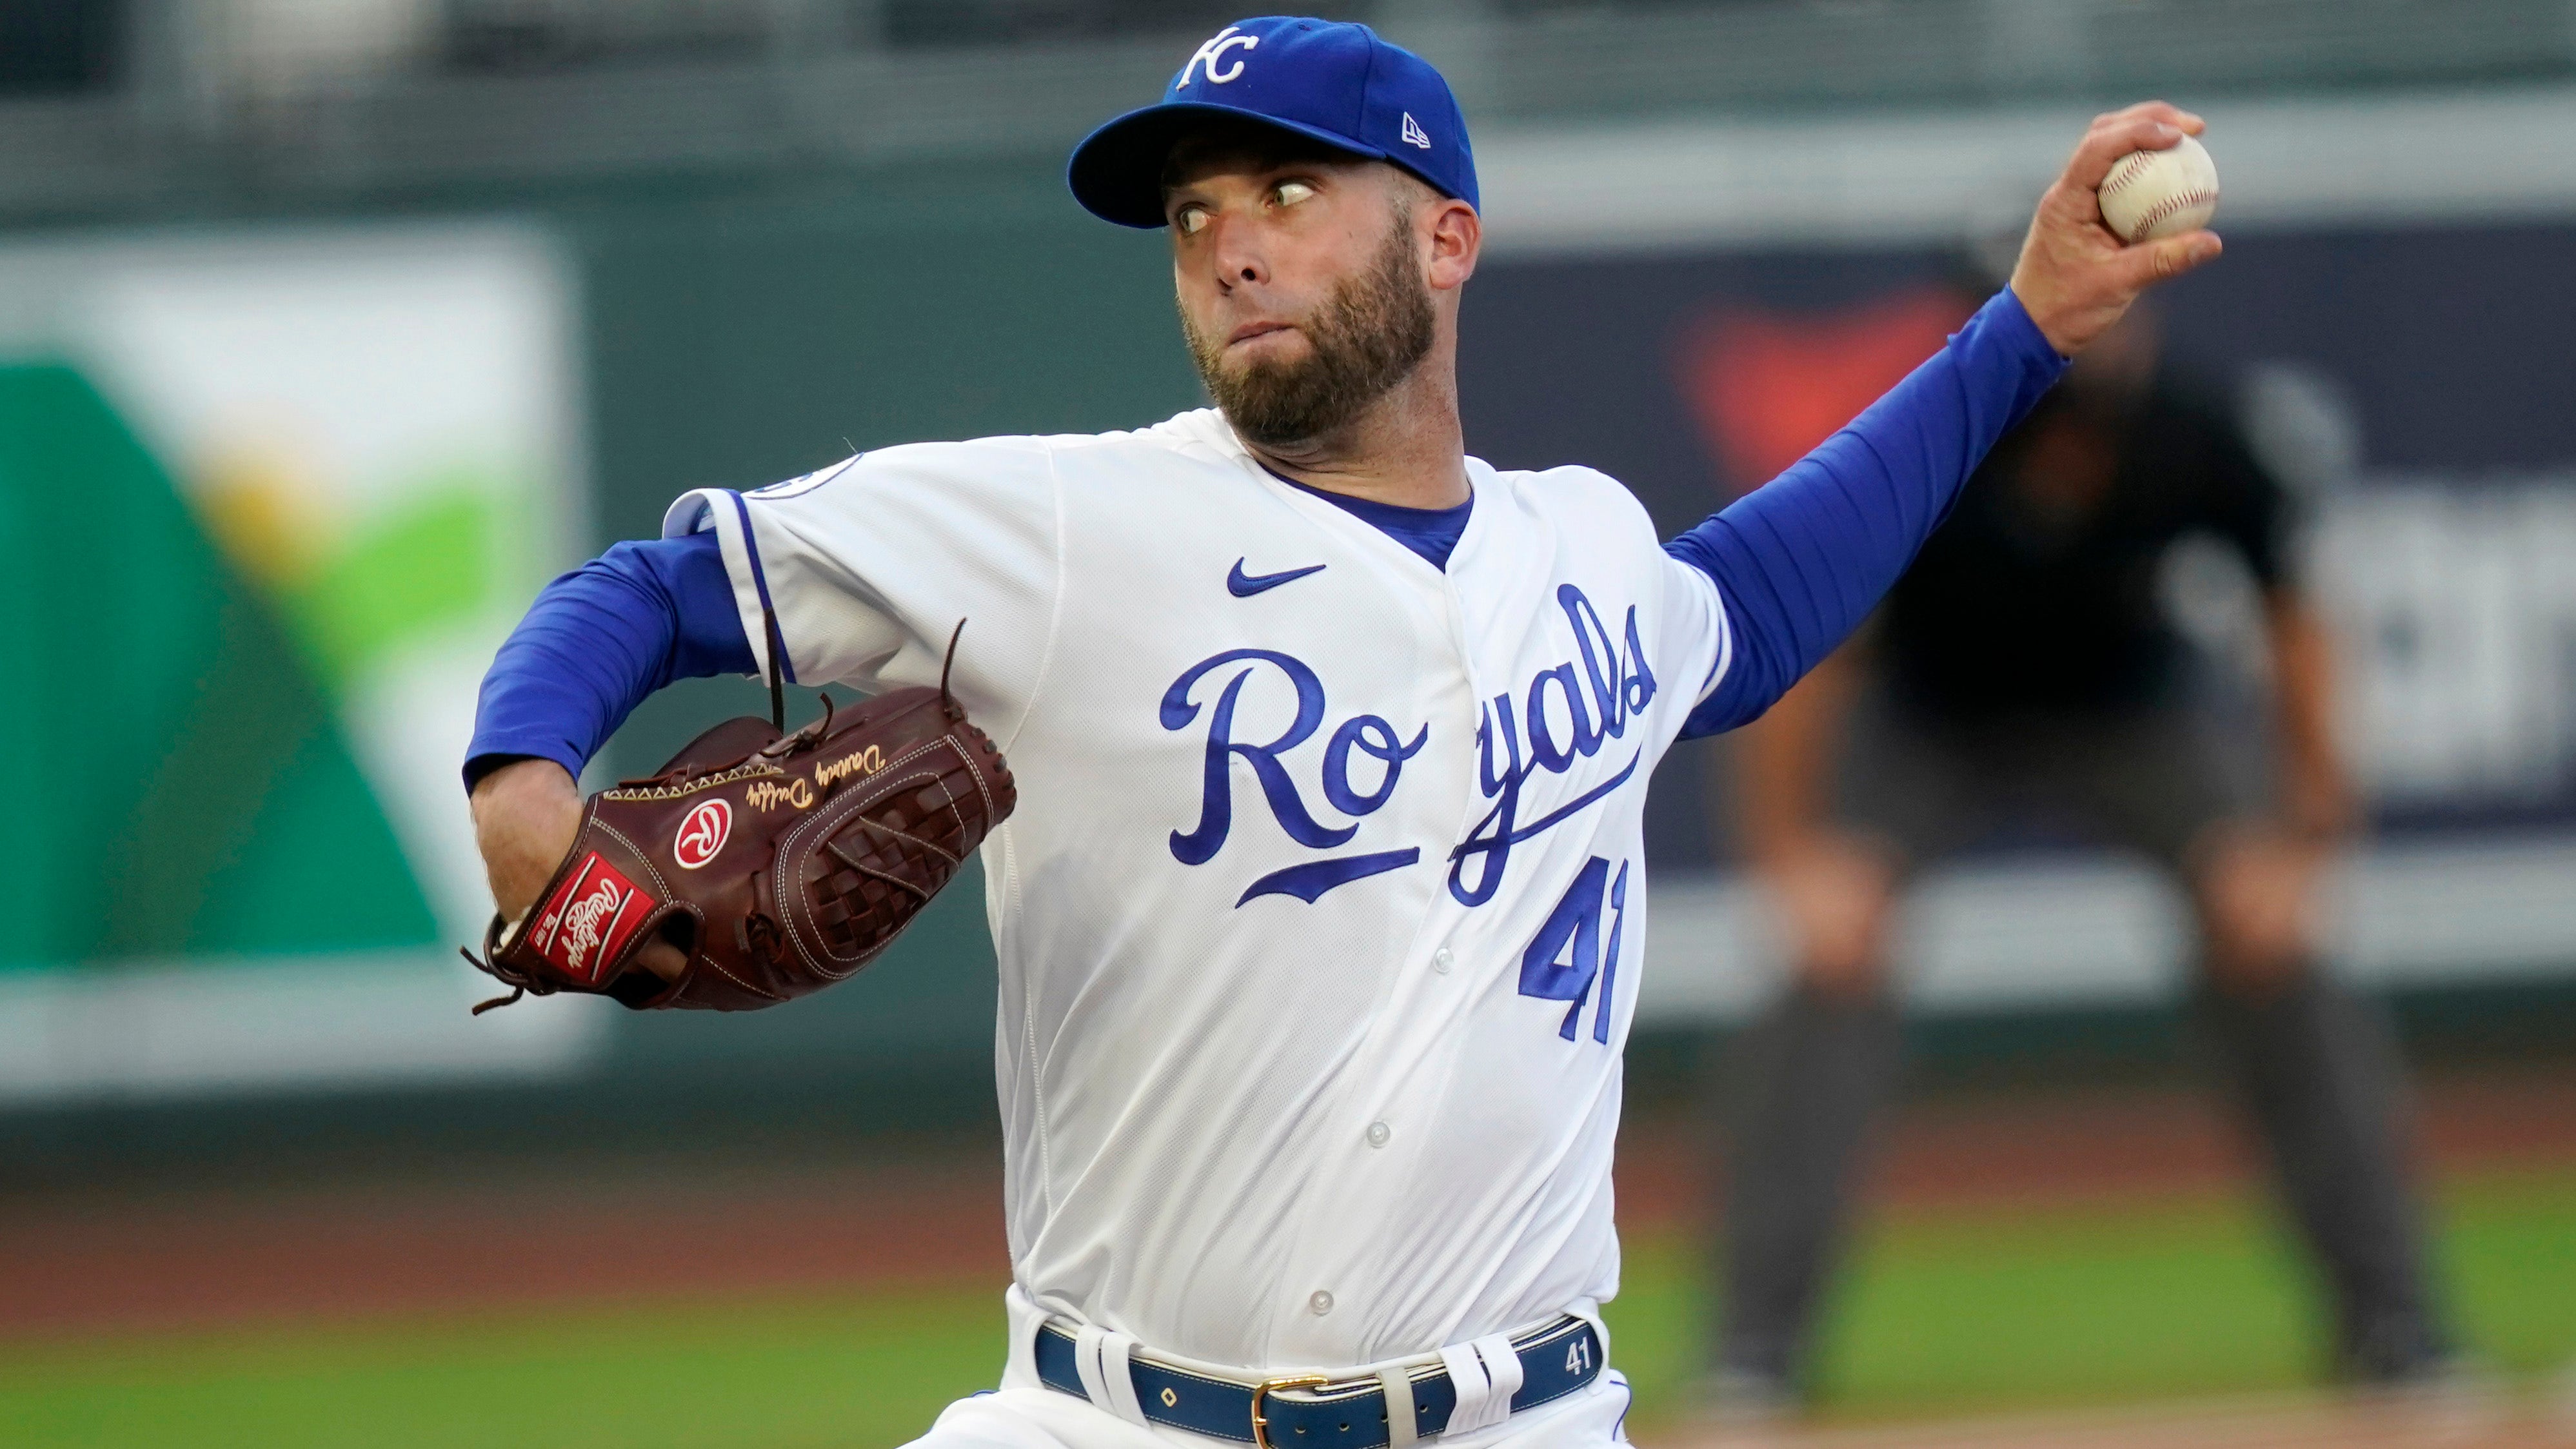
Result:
[{"x": 779, "y": 865}]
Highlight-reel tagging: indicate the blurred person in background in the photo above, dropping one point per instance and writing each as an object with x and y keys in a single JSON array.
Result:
[{"x": 2023, "y": 673}]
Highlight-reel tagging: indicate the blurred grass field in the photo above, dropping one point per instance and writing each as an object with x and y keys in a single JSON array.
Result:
[{"x": 1948, "y": 1309}]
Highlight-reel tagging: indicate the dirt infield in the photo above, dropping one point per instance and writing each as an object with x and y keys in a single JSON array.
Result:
[
  {"x": 2077, "y": 1145},
  {"x": 552, "y": 1233},
  {"x": 76, "y": 1262},
  {"x": 2455, "y": 1421}
]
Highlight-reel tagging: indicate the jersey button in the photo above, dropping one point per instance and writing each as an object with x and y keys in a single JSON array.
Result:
[
  {"x": 1320, "y": 1304},
  {"x": 1442, "y": 960},
  {"x": 1378, "y": 1133}
]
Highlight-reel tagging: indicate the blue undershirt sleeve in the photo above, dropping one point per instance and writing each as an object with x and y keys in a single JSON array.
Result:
[
  {"x": 599, "y": 640},
  {"x": 1800, "y": 561}
]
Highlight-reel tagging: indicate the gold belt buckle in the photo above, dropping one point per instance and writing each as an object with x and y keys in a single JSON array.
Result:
[{"x": 1267, "y": 1387}]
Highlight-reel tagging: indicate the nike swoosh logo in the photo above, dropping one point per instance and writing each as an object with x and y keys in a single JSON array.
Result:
[{"x": 1243, "y": 585}]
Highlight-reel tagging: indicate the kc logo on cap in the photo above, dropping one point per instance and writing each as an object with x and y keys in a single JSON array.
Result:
[
  {"x": 1211, "y": 54},
  {"x": 1335, "y": 84}
]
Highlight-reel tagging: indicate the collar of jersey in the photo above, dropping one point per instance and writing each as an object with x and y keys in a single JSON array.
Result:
[
  {"x": 1211, "y": 423},
  {"x": 1394, "y": 519}
]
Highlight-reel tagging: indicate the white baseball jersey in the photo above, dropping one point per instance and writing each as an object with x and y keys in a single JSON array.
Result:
[{"x": 1320, "y": 916}]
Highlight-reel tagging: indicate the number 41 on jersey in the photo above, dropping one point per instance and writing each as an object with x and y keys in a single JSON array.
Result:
[{"x": 1566, "y": 955}]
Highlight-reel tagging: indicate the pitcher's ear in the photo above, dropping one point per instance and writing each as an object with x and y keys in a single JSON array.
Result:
[{"x": 1457, "y": 236}]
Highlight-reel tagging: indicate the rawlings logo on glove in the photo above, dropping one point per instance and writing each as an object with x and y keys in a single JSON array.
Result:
[
  {"x": 767, "y": 905},
  {"x": 702, "y": 834},
  {"x": 588, "y": 919}
]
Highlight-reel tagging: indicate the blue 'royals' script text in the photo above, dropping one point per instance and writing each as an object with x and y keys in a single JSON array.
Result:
[
  {"x": 1617, "y": 686},
  {"x": 1566, "y": 713}
]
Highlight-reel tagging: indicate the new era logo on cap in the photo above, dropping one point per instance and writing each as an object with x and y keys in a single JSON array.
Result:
[{"x": 1334, "y": 83}]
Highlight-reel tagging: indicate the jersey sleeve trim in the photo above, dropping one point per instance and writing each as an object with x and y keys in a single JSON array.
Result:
[
  {"x": 760, "y": 582},
  {"x": 700, "y": 510},
  {"x": 1725, "y": 634}
]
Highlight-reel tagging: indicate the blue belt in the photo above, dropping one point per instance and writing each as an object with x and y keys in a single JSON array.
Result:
[{"x": 1344, "y": 1414}]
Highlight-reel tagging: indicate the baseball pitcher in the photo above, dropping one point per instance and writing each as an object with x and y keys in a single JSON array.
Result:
[{"x": 1320, "y": 909}]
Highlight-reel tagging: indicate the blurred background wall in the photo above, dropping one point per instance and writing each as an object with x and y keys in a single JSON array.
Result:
[{"x": 333, "y": 327}]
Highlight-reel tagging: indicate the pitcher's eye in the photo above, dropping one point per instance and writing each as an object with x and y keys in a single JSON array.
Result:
[
  {"x": 1192, "y": 220},
  {"x": 1292, "y": 192}
]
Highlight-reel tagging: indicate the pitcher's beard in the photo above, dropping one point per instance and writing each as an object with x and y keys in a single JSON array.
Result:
[{"x": 1365, "y": 339}]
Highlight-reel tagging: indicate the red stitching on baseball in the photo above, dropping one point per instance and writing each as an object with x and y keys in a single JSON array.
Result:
[
  {"x": 2131, "y": 169},
  {"x": 2170, "y": 205},
  {"x": 2123, "y": 172}
]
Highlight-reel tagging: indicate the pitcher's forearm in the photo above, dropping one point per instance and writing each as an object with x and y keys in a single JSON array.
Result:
[
  {"x": 1800, "y": 561},
  {"x": 526, "y": 814}
]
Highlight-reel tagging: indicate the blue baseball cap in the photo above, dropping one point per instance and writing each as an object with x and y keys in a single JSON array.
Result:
[{"x": 1330, "y": 82}]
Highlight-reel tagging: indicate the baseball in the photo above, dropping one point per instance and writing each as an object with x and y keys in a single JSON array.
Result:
[{"x": 2151, "y": 194}]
